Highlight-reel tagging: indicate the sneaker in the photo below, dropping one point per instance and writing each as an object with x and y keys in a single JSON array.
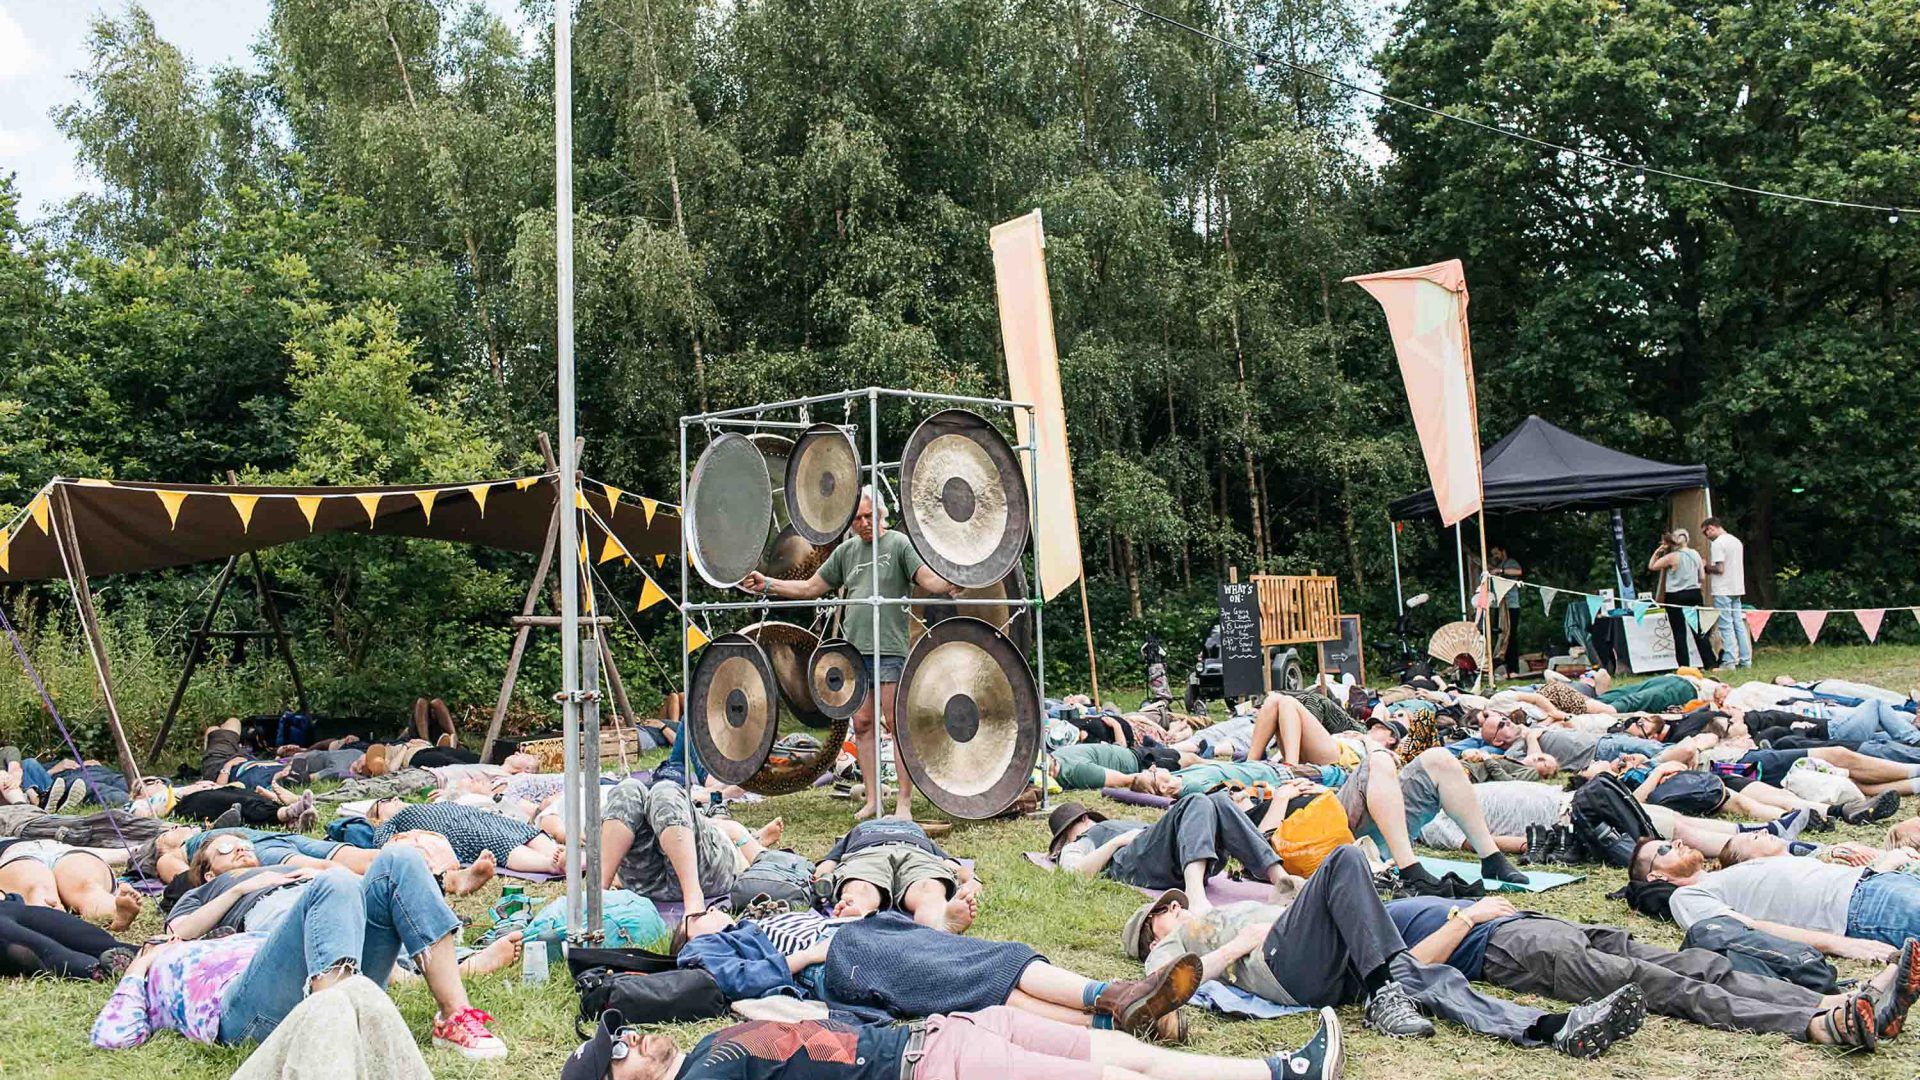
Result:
[
  {"x": 1393, "y": 1014},
  {"x": 1883, "y": 806},
  {"x": 1597, "y": 1025},
  {"x": 465, "y": 1033},
  {"x": 1906, "y": 988},
  {"x": 1322, "y": 1058}
]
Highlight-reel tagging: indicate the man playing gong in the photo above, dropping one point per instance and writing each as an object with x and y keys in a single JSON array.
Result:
[{"x": 850, "y": 567}]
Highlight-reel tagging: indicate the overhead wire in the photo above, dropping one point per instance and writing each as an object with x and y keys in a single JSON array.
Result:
[{"x": 1262, "y": 58}]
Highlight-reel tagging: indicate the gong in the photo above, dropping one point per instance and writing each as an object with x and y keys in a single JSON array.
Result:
[
  {"x": 837, "y": 676},
  {"x": 788, "y": 648},
  {"x": 823, "y": 483},
  {"x": 968, "y": 718},
  {"x": 733, "y": 708},
  {"x": 729, "y": 510},
  {"x": 1010, "y": 619},
  {"x": 964, "y": 500}
]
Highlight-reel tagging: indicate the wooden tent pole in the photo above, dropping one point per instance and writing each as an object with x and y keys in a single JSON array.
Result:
[
  {"x": 1486, "y": 573},
  {"x": 272, "y": 611},
  {"x": 1086, "y": 623},
  {"x": 194, "y": 652},
  {"x": 69, "y": 542},
  {"x": 526, "y": 609}
]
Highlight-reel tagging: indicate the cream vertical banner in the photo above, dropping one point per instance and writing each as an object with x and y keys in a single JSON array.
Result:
[
  {"x": 1426, "y": 309},
  {"x": 1033, "y": 375}
]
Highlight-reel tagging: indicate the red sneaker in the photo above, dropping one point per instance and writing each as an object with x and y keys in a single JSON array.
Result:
[{"x": 465, "y": 1033}]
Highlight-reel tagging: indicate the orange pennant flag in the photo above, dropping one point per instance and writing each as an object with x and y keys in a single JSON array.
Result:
[
  {"x": 310, "y": 506},
  {"x": 6, "y": 541},
  {"x": 610, "y": 549},
  {"x": 649, "y": 506},
  {"x": 650, "y": 593},
  {"x": 243, "y": 505},
  {"x": 479, "y": 493},
  {"x": 40, "y": 509},
  {"x": 172, "y": 500},
  {"x": 695, "y": 637},
  {"x": 661, "y": 560},
  {"x": 426, "y": 502},
  {"x": 371, "y": 503}
]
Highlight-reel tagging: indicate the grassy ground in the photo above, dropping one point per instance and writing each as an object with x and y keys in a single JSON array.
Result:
[{"x": 45, "y": 1023}]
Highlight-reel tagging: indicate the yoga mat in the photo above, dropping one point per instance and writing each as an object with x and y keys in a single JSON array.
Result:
[
  {"x": 1221, "y": 889},
  {"x": 1538, "y": 880},
  {"x": 526, "y": 875},
  {"x": 1136, "y": 798}
]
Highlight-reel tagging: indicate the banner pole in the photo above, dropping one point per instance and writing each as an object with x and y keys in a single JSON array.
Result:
[
  {"x": 1086, "y": 621},
  {"x": 1393, "y": 535},
  {"x": 1486, "y": 573}
]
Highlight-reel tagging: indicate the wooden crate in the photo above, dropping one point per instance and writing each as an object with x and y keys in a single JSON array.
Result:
[
  {"x": 1298, "y": 608},
  {"x": 552, "y": 752}
]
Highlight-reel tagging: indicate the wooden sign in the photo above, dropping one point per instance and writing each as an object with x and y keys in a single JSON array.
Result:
[
  {"x": 1242, "y": 663},
  {"x": 1346, "y": 654}
]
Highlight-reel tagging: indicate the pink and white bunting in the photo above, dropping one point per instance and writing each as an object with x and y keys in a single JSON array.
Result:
[
  {"x": 1810, "y": 622},
  {"x": 1756, "y": 622},
  {"x": 1870, "y": 620}
]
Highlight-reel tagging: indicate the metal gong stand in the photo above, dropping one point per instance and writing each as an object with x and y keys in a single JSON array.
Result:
[{"x": 754, "y": 418}]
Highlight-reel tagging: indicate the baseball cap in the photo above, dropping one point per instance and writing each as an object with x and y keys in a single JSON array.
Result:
[
  {"x": 1398, "y": 728},
  {"x": 1136, "y": 937},
  {"x": 594, "y": 1059}
]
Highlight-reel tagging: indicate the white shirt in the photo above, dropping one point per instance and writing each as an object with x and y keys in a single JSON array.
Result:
[
  {"x": 1786, "y": 889},
  {"x": 1731, "y": 554}
]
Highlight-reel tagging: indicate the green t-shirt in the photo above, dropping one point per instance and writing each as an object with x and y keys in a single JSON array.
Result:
[
  {"x": 851, "y": 566},
  {"x": 1083, "y": 766},
  {"x": 1655, "y": 695},
  {"x": 1196, "y": 779}
]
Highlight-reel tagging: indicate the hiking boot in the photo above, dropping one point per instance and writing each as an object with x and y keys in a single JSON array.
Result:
[
  {"x": 1884, "y": 805},
  {"x": 1567, "y": 849},
  {"x": 1171, "y": 1029},
  {"x": 1322, "y": 1058},
  {"x": 1540, "y": 840},
  {"x": 465, "y": 1033},
  {"x": 1393, "y": 1014},
  {"x": 1593, "y": 1027},
  {"x": 1134, "y": 1004}
]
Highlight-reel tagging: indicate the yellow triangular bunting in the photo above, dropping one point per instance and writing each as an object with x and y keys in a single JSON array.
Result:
[
  {"x": 610, "y": 549},
  {"x": 582, "y": 549},
  {"x": 580, "y": 500},
  {"x": 7, "y": 540},
  {"x": 650, "y": 594},
  {"x": 243, "y": 505},
  {"x": 310, "y": 506},
  {"x": 370, "y": 503},
  {"x": 426, "y": 502},
  {"x": 695, "y": 637},
  {"x": 172, "y": 500},
  {"x": 613, "y": 497},
  {"x": 661, "y": 560},
  {"x": 94, "y": 483},
  {"x": 40, "y": 509},
  {"x": 479, "y": 493},
  {"x": 525, "y": 482},
  {"x": 649, "y": 506}
]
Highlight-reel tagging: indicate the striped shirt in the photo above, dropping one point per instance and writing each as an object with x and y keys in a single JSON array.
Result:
[
  {"x": 467, "y": 830},
  {"x": 798, "y": 931}
]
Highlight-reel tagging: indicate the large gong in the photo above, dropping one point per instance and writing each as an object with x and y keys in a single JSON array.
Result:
[
  {"x": 968, "y": 723},
  {"x": 788, "y": 649},
  {"x": 1012, "y": 620},
  {"x": 789, "y": 556},
  {"x": 823, "y": 483},
  {"x": 733, "y": 708},
  {"x": 837, "y": 676},
  {"x": 963, "y": 499},
  {"x": 729, "y": 510}
]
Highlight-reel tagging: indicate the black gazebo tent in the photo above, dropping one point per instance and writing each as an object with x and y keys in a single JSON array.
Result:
[{"x": 1541, "y": 467}]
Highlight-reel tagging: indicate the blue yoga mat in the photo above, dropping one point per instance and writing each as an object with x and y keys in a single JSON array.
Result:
[{"x": 1537, "y": 880}]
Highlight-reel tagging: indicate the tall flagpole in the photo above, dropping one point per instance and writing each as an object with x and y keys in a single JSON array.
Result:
[{"x": 569, "y": 516}]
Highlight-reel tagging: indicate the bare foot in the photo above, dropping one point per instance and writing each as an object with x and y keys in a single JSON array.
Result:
[
  {"x": 961, "y": 911},
  {"x": 769, "y": 834},
  {"x": 461, "y": 882},
  {"x": 502, "y": 953},
  {"x": 845, "y": 909},
  {"x": 126, "y": 907},
  {"x": 866, "y": 812}
]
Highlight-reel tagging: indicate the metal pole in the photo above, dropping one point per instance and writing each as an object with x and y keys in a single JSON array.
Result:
[
  {"x": 1460, "y": 564},
  {"x": 684, "y": 742},
  {"x": 569, "y": 519},
  {"x": 1038, "y": 611},
  {"x": 848, "y": 395},
  {"x": 587, "y": 809},
  {"x": 876, "y": 788},
  {"x": 1393, "y": 534}
]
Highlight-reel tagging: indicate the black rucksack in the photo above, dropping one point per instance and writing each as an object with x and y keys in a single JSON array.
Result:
[
  {"x": 666, "y": 996},
  {"x": 1696, "y": 794},
  {"x": 1609, "y": 821},
  {"x": 781, "y": 876}
]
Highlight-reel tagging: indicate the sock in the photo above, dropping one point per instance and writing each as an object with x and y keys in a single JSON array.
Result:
[
  {"x": 1091, "y": 993},
  {"x": 1414, "y": 873},
  {"x": 1102, "y": 1022},
  {"x": 1790, "y": 825},
  {"x": 1910, "y": 786},
  {"x": 1913, "y": 770},
  {"x": 1545, "y": 1028},
  {"x": 1376, "y": 979},
  {"x": 1497, "y": 867}
]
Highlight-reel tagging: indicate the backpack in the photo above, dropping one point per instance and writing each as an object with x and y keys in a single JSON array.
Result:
[
  {"x": 780, "y": 876},
  {"x": 664, "y": 997},
  {"x": 1311, "y": 833},
  {"x": 627, "y": 920},
  {"x": 1760, "y": 953},
  {"x": 1609, "y": 820},
  {"x": 1693, "y": 793}
]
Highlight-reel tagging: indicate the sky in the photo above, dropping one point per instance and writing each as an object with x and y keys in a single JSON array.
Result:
[{"x": 42, "y": 42}]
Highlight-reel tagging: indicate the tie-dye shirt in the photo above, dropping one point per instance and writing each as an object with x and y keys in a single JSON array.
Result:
[{"x": 185, "y": 989}]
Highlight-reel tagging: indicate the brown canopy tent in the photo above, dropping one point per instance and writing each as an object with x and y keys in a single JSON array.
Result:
[{"x": 75, "y": 528}]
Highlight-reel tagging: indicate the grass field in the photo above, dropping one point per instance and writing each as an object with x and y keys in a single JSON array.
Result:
[{"x": 44, "y": 1023}]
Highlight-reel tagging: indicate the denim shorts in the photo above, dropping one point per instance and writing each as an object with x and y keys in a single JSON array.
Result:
[
  {"x": 1615, "y": 746},
  {"x": 890, "y": 668},
  {"x": 1885, "y": 908}
]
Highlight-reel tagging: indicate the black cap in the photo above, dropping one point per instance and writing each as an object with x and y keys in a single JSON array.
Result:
[
  {"x": 1399, "y": 729},
  {"x": 1062, "y": 819},
  {"x": 594, "y": 1059}
]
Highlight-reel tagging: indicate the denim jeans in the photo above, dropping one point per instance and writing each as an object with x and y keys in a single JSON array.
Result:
[
  {"x": 1859, "y": 691},
  {"x": 339, "y": 918},
  {"x": 1870, "y": 720},
  {"x": 33, "y": 776},
  {"x": 1734, "y": 635},
  {"x": 1615, "y": 746},
  {"x": 1886, "y": 908}
]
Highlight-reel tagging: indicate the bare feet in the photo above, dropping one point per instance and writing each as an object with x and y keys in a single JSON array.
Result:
[
  {"x": 846, "y": 909},
  {"x": 502, "y": 953},
  {"x": 865, "y": 812},
  {"x": 466, "y": 880},
  {"x": 126, "y": 907},
  {"x": 769, "y": 834},
  {"x": 961, "y": 911}
]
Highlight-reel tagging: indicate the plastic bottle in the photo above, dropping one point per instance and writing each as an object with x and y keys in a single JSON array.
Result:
[{"x": 533, "y": 962}]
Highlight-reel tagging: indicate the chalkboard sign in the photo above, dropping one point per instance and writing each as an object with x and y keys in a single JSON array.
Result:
[
  {"x": 1346, "y": 654},
  {"x": 1242, "y": 670}
]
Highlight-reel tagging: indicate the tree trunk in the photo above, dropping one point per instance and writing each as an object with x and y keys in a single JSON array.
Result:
[{"x": 1133, "y": 577}]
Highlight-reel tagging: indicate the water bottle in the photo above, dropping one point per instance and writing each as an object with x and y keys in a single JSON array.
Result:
[{"x": 533, "y": 962}]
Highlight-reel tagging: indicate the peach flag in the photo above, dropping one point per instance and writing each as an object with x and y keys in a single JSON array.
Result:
[
  {"x": 1756, "y": 622},
  {"x": 1870, "y": 620},
  {"x": 1811, "y": 622},
  {"x": 1426, "y": 309}
]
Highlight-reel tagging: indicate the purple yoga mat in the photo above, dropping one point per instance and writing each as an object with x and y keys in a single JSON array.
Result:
[
  {"x": 1136, "y": 798},
  {"x": 526, "y": 875},
  {"x": 1221, "y": 889}
]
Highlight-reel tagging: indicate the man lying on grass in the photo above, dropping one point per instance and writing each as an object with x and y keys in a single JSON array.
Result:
[
  {"x": 1335, "y": 944},
  {"x": 1190, "y": 843},
  {"x": 994, "y": 1044},
  {"x": 891, "y": 863}
]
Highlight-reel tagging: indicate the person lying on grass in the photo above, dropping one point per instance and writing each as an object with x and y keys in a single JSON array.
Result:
[
  {"x": 177, "y": 852},
  {"x": 1529, "y": 953},
  {"x": 890, "y": 863},
  {"x": 993, "y": 1044},
  {"x": 891, "y": 963},
  {"x": 1335, "y": 944},
  {"x": 236, "y": 989},
  {"x": 1190, "y": 843},
  {"x": 49, "y": 874},
  {"x": 37, "y": 940},
  {"x": 655, "y": 844},
  {"x": 471, "y": 833}
]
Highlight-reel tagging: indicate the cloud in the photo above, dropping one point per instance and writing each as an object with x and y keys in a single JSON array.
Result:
[{"x": 18, "y": 57}]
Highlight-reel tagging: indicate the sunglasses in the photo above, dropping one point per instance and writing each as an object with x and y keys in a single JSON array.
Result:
[
  {"x": 621, "y": 1047},
  {"x": 228, "y": 847},
  {"x": 1663, "y": 850}
]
